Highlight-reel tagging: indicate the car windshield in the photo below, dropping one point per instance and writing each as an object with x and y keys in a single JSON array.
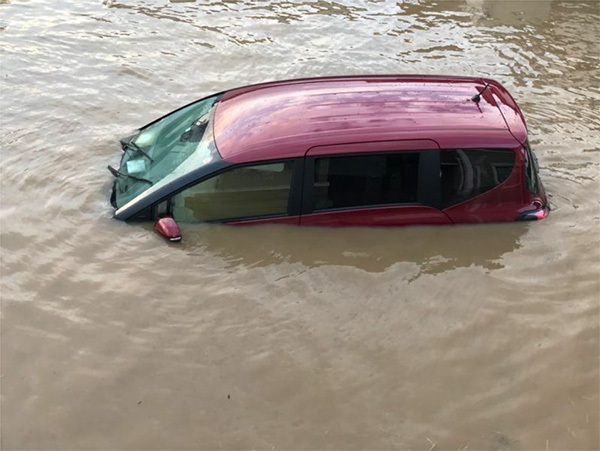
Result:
[{"x": 162, "y": 147}]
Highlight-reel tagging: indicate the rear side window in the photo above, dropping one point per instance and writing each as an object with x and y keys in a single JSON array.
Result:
[
  {"x": 466, "y": 173},
  {"x": 244, "y": 192},
  {"x": 361, "y": 181}
]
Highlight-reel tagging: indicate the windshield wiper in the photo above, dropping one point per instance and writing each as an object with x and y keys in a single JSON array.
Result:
[
  {"x": 116, "y": 173},
  {"x": 131, "y": 145}
]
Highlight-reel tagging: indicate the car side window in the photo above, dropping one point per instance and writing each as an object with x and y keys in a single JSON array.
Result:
[
  {"x": 365, "y": 180},
  {"x": 242, "y": 192},
  {"x": 466, "y": 173}
]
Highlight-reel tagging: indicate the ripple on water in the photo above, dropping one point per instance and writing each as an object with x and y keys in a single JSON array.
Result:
[{"x": 483, "y": 337}]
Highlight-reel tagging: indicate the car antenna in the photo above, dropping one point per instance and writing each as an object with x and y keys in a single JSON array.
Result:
[{"x": 477, "y": 97}]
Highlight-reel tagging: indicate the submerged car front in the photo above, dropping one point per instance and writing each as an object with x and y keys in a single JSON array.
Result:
[{"x": 161, "y": 156}]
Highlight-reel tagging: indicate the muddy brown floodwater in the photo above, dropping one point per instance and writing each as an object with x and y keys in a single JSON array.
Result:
[{"x": 278, "y": 337}]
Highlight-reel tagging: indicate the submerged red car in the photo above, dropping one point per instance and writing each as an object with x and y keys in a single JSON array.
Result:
[{"x": 386, "y": 150}]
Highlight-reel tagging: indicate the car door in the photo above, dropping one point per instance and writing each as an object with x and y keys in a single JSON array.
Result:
[{"x": 388, "y": 183}]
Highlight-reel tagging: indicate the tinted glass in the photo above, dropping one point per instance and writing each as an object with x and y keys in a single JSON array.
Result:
[
  {"x": 530, "y": 170},
  {"x": 244, "y": 192},
  {"x": 358, "y": 181},
  {"x": 470, "y": 172}
]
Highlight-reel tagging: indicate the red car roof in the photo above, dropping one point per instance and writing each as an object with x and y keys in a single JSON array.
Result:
[{"x": 284, "y": 119}]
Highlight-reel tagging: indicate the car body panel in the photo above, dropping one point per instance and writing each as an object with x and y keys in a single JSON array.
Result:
[
  {"x": 284, "y": 119},
  {"x": 399, "y": 215},
  {"x": 289, "y": 220},
  {"x": 500, "y": 204},
  {"x": 373, "y": 146},
  {"x": 512, "y": 114},
  {"x": 475, "y": 139},
  {"x": 505, "y": 202}
]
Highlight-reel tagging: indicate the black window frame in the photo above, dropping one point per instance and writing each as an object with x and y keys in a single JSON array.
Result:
[{"x": 428, "y": 182}]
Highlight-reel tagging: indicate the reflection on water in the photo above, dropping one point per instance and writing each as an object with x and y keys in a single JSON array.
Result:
[
  {"x": 478, "y": 337},
  {"x": 430, "y": 249},
  {"x": 510, "y": 13}
]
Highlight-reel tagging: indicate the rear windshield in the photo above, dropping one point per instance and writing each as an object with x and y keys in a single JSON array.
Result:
[
  {"x": 466, "y": 173},
  {"x": 530, "y": 170},
  {"x": 160, "y": 148}
]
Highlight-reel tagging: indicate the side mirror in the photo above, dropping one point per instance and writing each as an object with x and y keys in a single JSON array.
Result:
[{"x": 168, "y": 228}]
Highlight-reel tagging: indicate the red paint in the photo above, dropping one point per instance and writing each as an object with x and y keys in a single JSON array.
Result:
[
  {"x": 500, "y": 204},
  {"x": 361, "y": 114},
  {"x": 476, "y": 139},
  {"x": 505, "y": 202},
  {"x": 284, "y": 119},
  {"x": 378, "y": 216},
  {"x": 291, "y": 220},
  {"x": 511, "y": 113},
  {"x": 377, "y": 146},
  {"x": 168, "y": 228}
]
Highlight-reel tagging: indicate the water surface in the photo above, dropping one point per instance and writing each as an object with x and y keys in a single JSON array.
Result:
[{"x": 484, "y": 337}]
